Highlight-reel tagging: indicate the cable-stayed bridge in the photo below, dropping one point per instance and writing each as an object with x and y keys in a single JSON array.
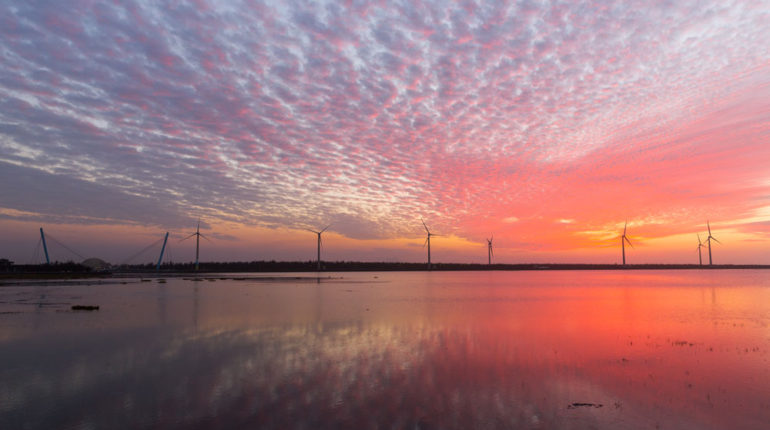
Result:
[{"x": 49, "y": 250}]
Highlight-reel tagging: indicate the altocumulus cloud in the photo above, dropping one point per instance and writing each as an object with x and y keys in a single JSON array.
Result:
[{"x": 369, "y": 115}]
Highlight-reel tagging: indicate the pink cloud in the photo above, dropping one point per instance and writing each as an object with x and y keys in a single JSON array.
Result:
[{"x": 469, "y": 113}]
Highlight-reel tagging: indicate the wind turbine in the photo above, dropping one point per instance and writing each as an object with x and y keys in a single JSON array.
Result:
[
  {"x": 709, "y": 239},
  {"x": 623, "y": 240},
  {"x": 489, "y": 249},
  {"x": 700, "y": 257},
  {"x": 427, "y": 240},
  {"x": 198, "y": 235},
  {"x": 319, "y": 243}
]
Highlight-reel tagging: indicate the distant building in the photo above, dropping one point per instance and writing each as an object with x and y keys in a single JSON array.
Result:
[
  {"x": 96, "y": 264},
  {"x": 5, "y": 265}
]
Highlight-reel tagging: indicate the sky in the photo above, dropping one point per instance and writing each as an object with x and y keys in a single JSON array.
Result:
[{"x": 545, "y": 125}]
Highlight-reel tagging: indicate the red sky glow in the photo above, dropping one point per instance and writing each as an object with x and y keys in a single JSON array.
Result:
[{"x": 546, "y": 124}]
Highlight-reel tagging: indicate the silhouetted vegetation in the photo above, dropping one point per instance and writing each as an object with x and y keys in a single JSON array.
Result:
[
  {"x": 69, "y": 269},
  {"x": 56, "y": 267},
  {"x": 362, "y": 266}
]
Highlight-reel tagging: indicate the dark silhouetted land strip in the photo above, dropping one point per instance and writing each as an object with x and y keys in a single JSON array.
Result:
[
  {"x": 359, "y": 266},
  {"x": 69, "y": 270}
]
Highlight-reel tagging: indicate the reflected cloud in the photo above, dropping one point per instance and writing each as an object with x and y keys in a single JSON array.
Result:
[{"x": 521, "y": 350}]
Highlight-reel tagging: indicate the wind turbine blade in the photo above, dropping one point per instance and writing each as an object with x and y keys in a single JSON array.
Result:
[
  {"x": 629, "y": 242},
  {"x": 326, "y": 228},
  {"x": 201, "y": 235},
  {"x": 182, "y": 240},
  {"x": 426, "y": 227},
  {"x": 312, "y": 231},
  {"x": 709, "y": 227},
  {"x": 715, "y": 240},
  {"x": 624, "y": 228},
  {"x": 425, "y": 243},
  {"x": 699, "y": 242}
]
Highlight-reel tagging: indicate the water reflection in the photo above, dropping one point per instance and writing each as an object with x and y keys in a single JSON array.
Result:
[{"x": 460, "y": 351}]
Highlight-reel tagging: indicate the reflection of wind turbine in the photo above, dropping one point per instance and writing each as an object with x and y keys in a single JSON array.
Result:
[
  {"x": 709, "y": 239},
  {"x": 427, "y": 240},
  {"x": 319, "y": 243},
  {"x": 623, "y": 240},
  {"x": 489, "y": 249},
  {"x": 198, "y": 235},
  {"x": 700, "y": 256}
]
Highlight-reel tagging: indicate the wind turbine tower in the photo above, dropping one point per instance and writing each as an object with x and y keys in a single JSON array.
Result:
[
  {"x": 709, "y": 239},
  {"x": 198, "y": 236},
  {"x": 489, "y": 249},
  {"x": 427, "y": 241},
  {"x": 319, "y": 244},
  {"x": 700, "y": 256},
  {"x": 623, "y": 240}
]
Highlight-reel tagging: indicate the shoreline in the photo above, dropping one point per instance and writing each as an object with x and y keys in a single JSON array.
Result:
[{"x": 306, "y": 268}]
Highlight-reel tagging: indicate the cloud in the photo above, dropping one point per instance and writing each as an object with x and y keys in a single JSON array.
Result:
[
  {"x": 60, "y": 198},
  {"x": 272, "y": 114}
]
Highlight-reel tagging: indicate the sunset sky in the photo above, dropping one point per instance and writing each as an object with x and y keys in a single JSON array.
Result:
[{"x": 545, "y": 124}]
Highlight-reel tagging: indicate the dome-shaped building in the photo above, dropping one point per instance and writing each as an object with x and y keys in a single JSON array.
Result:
[{"x": 96, "y": 264}]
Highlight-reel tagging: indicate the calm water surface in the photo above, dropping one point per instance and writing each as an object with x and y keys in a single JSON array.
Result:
[{"x": 440, "y": 350}]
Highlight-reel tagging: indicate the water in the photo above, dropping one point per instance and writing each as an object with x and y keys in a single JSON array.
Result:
[{"x": 605, "y": 350}]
